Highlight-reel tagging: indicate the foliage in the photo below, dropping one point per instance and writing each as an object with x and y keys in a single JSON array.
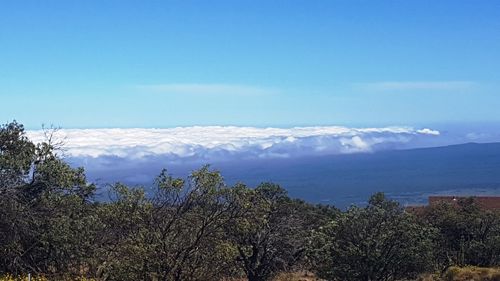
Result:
[
  {"x": 44, "y": 207},
  {"x": 468, "y": 235},
  {"x": 270, "y": 237},
  {"x": 379, "y": 242},
  {"x": 198, "y": 228}
]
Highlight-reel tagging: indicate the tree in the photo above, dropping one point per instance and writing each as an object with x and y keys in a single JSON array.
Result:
[
  {"x": 44, "y": 205},
  {"x": 177, "y": 234},
  {"x": 187, "y": 224},
  {"x": 270, "y": 237},
  {"x": 121, "y": 248},
  {"x": 17, "y": 154},
  {"x": 468, "y": 235},
  {"x": 378, "y": 242}
]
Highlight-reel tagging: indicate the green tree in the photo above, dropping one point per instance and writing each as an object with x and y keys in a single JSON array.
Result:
[
  {"x": 187, "y": 226},
  {"x": 120, "y": 240},
  {"x": 17, "y": 154},
  {"x": 468, "y": 234},
  {"x": 177, "y": 234},
  {"x": 271, "y": 236},
  {"x": 45, "y": 206},
  {"x": 378, "y": 242}
]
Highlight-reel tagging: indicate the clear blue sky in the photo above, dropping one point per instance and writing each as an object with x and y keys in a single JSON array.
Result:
[{"x": 262, "y": 63}]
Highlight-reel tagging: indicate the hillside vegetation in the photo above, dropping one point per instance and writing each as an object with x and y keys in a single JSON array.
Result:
[{"x": 199, "y": 228}]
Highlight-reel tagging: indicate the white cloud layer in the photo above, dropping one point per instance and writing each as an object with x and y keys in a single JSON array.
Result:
[{"x": 214, "y": 143}]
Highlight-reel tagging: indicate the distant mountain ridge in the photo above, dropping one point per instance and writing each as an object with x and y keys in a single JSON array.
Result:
[{"x": 406, "y": 175}]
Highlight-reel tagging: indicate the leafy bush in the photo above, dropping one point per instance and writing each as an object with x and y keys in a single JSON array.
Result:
[{"x": 379, "y": 242}]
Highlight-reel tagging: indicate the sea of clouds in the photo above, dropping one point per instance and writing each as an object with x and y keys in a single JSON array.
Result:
[
  {"x": 218, "y": 143},
  {"x": 253, "y": 155}
]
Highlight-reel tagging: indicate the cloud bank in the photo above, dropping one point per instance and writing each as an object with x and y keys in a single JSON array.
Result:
[{"x": 216, "y": 143}]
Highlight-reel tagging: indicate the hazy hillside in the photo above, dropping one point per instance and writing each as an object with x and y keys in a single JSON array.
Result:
[{"x": 406, "y": 175}]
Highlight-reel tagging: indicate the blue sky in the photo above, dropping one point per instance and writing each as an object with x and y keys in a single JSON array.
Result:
[{"x": 94, "y": 64}]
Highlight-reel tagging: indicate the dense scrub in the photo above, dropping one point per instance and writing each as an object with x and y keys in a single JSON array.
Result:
[{"x": 199, "y": 228}]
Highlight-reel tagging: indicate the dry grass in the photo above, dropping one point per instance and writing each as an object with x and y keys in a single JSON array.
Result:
[
  {"x": 9, "y": 277},
  {"x": 468, "y": 273},
  {"x": 472, "y": 273},
  {"x": 38, "y": 278},
  {"x": 291, "y": 276},
  {"x": 296, "y": 276},
  {"x": 429, "y": 277}
]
